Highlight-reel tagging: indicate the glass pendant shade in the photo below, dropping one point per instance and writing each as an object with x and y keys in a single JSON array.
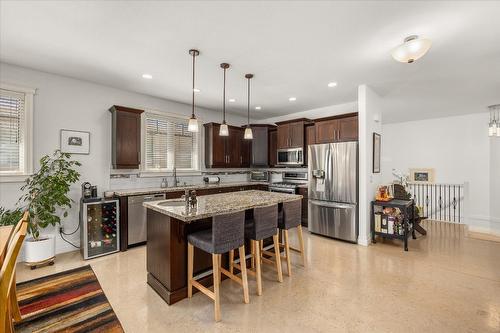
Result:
[
  {"x": 224, "y": 130},
  {"x": 248, "y": 134},
  {"x": 494, "y": 124},
  {"x": 412, "y": 49},
  {"x": 193, "y": 124}
]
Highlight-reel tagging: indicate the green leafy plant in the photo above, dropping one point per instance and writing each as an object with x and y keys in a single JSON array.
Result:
[
  {"x": 46, "y": 191},
  {"x": 10, "y": 216}
]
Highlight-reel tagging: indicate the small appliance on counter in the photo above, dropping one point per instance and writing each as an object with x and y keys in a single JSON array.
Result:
[
  {"x": 100, "y": 221},
  {"x": 89, "y": 193},
  {"x": 259, "y": 176},
  {"x": 211, "y": 180}
]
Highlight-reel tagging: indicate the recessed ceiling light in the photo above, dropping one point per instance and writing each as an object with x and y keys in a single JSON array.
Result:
[
  {"x": 147, "y": 76},
  {"x": 232, "y": 100},
  {"x": 292, "y": 99},
  {"x": 332, "y": 84},
  {"x": 258, "y": 108},
  {"x": 196, "y": 90}
]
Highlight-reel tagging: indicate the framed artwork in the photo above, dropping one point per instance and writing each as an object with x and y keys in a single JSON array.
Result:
[
  {"x": 422, "y": 175},
  {"x": 376, "y": 152},
  {"x": 75, "y": 142}
]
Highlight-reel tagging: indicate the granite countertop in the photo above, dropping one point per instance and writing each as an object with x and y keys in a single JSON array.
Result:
[
  {"x": 142, "y": 191},
  {"x": 218, "y": 204}
]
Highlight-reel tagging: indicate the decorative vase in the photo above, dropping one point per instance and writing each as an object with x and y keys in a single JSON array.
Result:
[{"x": 41, "y": 251}]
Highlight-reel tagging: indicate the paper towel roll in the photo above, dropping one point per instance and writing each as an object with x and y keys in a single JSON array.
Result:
[{"x": 212, "y": 180}]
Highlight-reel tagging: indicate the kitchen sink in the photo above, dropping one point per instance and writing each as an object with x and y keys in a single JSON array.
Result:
[{"x": 172, "y": 203}]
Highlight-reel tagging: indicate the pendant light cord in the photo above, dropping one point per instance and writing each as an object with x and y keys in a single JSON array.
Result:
[
  {"x": 248, "y": 104},
  {"x": 224, "y": 99},
  {"x": 192, "y": 104}
]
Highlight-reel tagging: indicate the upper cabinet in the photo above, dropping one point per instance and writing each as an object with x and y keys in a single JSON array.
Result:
[
  {"x": 226, "y": 151},
  {"x": 290, "y": 134},
  {"x": 126, "y": 137},
  {"x": 337, "y": 129},
  {"x": 260, "y": 145},
  {"x": 273, "y": 147}
]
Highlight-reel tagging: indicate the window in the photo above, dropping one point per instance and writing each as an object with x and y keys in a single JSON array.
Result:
[
  {"x": 169, "y": 144},
  {"x": 15, "y": 132}
]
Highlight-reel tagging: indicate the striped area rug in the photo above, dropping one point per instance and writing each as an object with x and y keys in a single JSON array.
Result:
[{"x": 70, "y": 301}]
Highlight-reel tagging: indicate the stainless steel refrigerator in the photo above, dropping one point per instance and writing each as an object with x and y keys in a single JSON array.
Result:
[{"x": 333, "y": 190}]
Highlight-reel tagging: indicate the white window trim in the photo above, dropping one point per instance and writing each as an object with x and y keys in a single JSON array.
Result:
[
  {"x": 17, "y": 177},
  {"x": 168, "y": 172}
]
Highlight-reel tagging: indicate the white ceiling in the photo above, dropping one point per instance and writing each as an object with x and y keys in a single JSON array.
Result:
[{"x": 294, "y": 49}]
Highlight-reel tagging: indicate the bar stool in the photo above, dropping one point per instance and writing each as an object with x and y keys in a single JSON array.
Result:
[
  {"x": 263, "y": 225},
  {"x": 291, "y": 217},
  {"x": 227, "y": 233}
]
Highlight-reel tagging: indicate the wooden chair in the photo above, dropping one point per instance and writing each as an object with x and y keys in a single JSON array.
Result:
[
  {"x": 7, "y": 278},
  {"x": 16, "y": 313}
]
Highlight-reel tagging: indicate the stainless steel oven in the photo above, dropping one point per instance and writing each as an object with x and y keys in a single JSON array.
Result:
[{"x": 290, "y": 156}]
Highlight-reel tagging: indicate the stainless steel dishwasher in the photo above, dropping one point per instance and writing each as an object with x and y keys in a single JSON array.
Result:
[{"x": 137, "y": 216}]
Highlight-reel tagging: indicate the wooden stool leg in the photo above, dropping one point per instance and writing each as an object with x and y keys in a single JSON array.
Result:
[
  {"x": 190, "y": 269},
  {"x": 287, "y": 254},
  {"x": 231, "y": 261},
  {"x": 301, "y": 244},
  {"x": 244, "y": 278},
  {"x": 258, "y": 255},
  {"x": 278, "y": 257},
  {"x": 216, "y": 274},
  {"x": 252, "y": 251}
]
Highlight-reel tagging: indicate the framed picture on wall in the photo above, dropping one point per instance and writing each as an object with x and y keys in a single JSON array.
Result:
[
  {"x": 376, "y": 152},
  {"x": 422, "y": 175},
  {"x": 75, "y": 142}
]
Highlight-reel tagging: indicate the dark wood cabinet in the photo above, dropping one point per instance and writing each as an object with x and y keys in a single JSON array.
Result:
[
  {"x": 336, "y": 129},
  {"x": 310, "y": 135},
  {"x": 226, "y": 151},
  {"x": 273, "y": 147},
  {"x": 290, "y": 134},
  {"x": 126, "y": 137},
  {"x": 303, "y": 191}
]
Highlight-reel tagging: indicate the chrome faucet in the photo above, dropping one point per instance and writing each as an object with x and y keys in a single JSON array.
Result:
[{"x": 174, "y": 173}]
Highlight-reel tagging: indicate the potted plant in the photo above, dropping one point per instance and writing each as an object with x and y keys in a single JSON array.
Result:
[
  {"x": 10, "y": 217},
  {"x": 46, "y": 198}
]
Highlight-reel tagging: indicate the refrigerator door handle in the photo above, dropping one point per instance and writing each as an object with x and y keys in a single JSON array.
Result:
[{"x": 332, "y": 204}]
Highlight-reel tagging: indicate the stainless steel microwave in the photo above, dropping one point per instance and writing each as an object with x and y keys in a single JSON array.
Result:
[{"x": 291, "y": 156}]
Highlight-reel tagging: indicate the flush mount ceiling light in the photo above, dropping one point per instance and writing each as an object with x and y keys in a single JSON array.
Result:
[
  {"x": 258, "y": 108},
  {"x": 494, "y": 125},
  {"x": 248, "y": 130},
  {"x": 193, "y": 122},
  {"x": 332, "y": 84},
  {"x": 292, "y": 99},
  {"x": 232, "y": 100},
  {"x": 147, "y": 76},
  {"x": 412, "y": 49},
  {"x": 224, "y": 130}
]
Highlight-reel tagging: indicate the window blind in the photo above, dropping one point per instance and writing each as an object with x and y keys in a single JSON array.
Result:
[
  {"x": 12, "y": 118},
  {"x": 169, "y": 144}
]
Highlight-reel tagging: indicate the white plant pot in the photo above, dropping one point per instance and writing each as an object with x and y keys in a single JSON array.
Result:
[{"x": 41, "y": 250}]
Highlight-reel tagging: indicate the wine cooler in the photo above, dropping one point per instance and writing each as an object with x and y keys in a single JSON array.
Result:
[{"x": 100, "y": 228}]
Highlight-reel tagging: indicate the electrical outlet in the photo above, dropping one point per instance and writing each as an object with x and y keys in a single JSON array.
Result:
[{"x": 61, "y": 229}]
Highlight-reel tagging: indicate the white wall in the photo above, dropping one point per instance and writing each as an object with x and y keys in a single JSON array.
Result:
[
  {"x": 326, "y": 111},
  {"x": 370, "y": 108},
  {"x": 458, "y": 148},
  {"x": 66, "y": 103},
  {"x": 495, "y": 185}
]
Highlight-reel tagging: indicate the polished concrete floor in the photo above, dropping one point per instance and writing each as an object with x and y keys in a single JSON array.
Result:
[{"x": 447, "y": 282}]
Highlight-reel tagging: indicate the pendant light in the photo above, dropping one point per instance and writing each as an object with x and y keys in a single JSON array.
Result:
[
  {"x": 193, "y": 122},
  {"x": 224, "y": 130},
  {"x": 412, "y": 49},
  {"x": 248, "y": 131},
  {"x": 494, "y": 125}
]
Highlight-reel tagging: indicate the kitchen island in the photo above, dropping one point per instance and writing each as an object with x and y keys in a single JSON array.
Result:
[{"x": 169, "y": 223}]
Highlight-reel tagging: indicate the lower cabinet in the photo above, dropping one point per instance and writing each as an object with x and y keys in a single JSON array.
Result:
[{"x": 303, "y": 191}]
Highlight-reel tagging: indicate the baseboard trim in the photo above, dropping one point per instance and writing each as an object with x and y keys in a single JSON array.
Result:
[
  {"x": 365, "y": 241},
  {"x": 483, "y": 234}
]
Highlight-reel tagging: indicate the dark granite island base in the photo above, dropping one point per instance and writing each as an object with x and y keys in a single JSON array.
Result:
[{"x": 167, "y": 230}]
